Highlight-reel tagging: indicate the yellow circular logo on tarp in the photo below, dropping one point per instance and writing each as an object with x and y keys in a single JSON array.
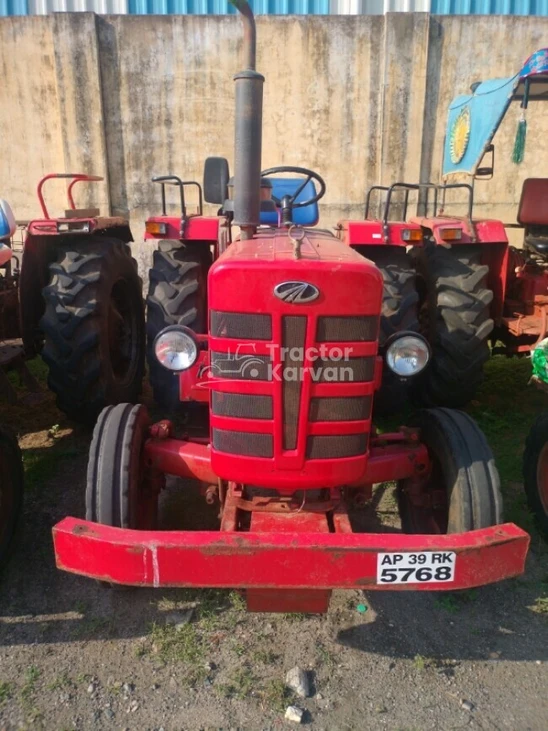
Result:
[{"x": 460, "y": 134}]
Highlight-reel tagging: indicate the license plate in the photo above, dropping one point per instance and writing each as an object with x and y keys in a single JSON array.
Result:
[{"x": 427, "y": 567}]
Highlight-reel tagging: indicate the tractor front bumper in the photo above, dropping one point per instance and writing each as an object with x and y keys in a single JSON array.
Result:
[{"x": 290, "y": 560}]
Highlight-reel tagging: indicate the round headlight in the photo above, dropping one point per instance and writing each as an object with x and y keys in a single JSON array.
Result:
[
  {"x": 407, "y": 355},
  {"x": 176, "y": 349}
]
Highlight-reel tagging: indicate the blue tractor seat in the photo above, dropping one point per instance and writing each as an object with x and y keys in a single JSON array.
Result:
[{"x": 306, "y": 216}]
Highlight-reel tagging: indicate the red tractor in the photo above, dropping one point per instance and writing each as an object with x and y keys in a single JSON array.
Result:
[
  {"x": 454, "y": 277},
  {"x": 275, "y": 332},
  {"x": 80, "y": 306}
]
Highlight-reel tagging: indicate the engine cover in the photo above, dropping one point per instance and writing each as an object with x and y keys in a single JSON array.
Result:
[{"x": 293, "y": 352}]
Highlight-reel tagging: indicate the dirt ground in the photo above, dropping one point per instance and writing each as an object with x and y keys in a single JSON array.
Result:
[{"x": 74, "y": 655}]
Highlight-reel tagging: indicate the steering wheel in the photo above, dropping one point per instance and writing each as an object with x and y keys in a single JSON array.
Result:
[{"x": 287, "y": 203}]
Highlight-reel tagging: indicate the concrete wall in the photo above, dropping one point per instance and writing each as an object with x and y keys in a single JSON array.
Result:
[{"x": 362, "y": 100}]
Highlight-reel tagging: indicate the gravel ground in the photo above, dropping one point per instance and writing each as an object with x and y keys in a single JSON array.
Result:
[{"x": 74, "y": 655}]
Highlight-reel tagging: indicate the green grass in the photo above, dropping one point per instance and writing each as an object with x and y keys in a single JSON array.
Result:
[
  {"x": 240, "y": 685},
  {"x": 5, "y": 692},
  {"x": 43, "y": 464},
  {"x": 275, "y": 695},
  {"x": 31, "y": 676},
  {"x": 176, "y": 643},
  {"x": 505, "y": 409},
  {"x": 62, "y": 681}
]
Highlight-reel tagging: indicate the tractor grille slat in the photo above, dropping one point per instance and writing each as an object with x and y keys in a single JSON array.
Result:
[
  {"x": 293, "y": 340},
  {"x": 241, "y": 406},
  {"x": 245, "y": 326},
  {"x": 347, "y": 408},
  {"x": 351, "y": 370},
  {"x": 336, "y": 447},
  {"x": 246, "y": 444},
  {"x": 347, "y": 329},
  {"x": 240, "y": 367}
]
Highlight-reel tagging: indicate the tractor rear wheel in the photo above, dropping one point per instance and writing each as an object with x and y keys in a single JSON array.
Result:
[
  {"x": 454, "y": 317},
  {"x": 399, "y": 312},
  {"x": 120, "y": 491},
  {"x": 94, "y": 327},
  {"x": 176, "y": 296},
  {"x": 462, "y": 490},
  {"x": 11, "y": 490},
  {"x": 535, "y": 471}
]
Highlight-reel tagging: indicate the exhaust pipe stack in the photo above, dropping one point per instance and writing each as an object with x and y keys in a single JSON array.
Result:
[{"x": 248, "y": 132}]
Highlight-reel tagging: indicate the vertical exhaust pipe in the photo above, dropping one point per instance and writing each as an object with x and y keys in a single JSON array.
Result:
[{"x": 248, "y": 131}]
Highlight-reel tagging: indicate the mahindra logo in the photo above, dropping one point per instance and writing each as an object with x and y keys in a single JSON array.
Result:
[{"x": 297, "y": 292}]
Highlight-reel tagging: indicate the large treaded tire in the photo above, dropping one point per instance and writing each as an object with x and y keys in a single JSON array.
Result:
[
  {"x": 117, "y": 492},
  {"x": 94, "y": 327},
  {"x": 535, "y": 459},
  {"x": 11, "y": 490},
  {"x": 399, "y": 312},
  {"x": 456, "y": 320},
  {"x": 463, "y": 471},
  {"x": 176, "y": 296}
]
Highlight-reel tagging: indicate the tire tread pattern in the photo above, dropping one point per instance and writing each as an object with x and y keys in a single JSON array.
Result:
[
  {"x": 459, "y": 326},
  {"x": 74, "y": 317}
]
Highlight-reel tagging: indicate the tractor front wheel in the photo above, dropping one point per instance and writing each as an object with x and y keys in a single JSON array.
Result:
[
  {"x": 455, "y": 318},
  {"x": 94, "y": 327},
  {"x": 462, "y": 490},
  {"x": 535, "y": 471},
  {"x": 11, "y": 490},
  {"x": 176, "y": 296},
  {"x": 121, "y": 490}
]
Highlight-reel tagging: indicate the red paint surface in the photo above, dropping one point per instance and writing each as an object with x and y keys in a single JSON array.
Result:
[
  {"x": 371, "y": 233},
  {"x": 196, "y": 228},
  {"x": 276, "y": 560}
]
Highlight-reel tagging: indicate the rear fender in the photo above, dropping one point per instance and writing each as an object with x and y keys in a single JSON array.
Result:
[
  {"x": 194, "y": 228},
  {"x": 376, "y": 233}
]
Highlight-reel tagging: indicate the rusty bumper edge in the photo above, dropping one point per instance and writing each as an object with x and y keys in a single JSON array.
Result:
[{"x": 277, "y": 560}]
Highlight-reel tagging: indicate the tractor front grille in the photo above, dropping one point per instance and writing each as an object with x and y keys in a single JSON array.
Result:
[
  {"x": 236, "y": 366},
  {"x": 293, "y": 343},
  {"x": 241, "y": 405},
  {"x": 353, "y": 370},
  {"x": 238, "y": 325},
  {"x": 337, "y": 391},
  {"x": 347, "y": 329},
  {"x": 336, "y": 447},
  {"x": 246, "y": 444},
  {"x": 347, "y": 408}
]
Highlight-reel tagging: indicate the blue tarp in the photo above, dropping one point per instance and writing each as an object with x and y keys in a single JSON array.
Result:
[{"x": 473, "y": 119}]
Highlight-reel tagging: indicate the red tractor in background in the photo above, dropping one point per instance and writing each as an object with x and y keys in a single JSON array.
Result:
[
  {"x": 275, "y": 332},
  {"x": 78, "y": 303},
  {"x": 455, "y": 278}
]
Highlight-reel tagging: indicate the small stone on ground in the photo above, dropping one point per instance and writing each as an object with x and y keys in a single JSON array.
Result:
[
  {"x": 298, "y": 681},
  {"x": 295, "y": 714}
]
